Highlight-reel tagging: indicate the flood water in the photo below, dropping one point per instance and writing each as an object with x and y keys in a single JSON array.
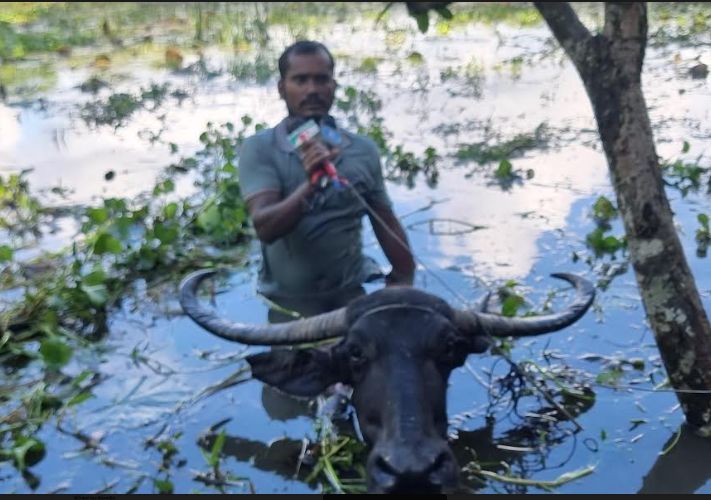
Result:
[{"x": 473, "y": 82}]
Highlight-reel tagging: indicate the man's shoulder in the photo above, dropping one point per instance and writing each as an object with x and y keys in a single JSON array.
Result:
[
  {"x": 261, "y": 137},
  {"x": 361, "y": 142}
]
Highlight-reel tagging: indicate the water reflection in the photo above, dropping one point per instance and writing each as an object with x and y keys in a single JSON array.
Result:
[
  {"x": 684, "y": 468},
  {"x": 525, "y": 448},
  {"x": 47, "y": 135}
]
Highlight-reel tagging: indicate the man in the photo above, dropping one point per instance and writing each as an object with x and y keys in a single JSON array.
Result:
[{"x": 310, "y": 233}]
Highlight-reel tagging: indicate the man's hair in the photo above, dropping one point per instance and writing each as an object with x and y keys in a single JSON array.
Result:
[{"x": 302, "y": 47}]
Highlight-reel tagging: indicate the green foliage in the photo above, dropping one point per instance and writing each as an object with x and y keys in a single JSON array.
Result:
[
  {"x": 213, "y": 458},
  {"x": 17, "y": 40},
  {"x": 260, "y": 69},
  {"x": 683, "y": 23},
  {"x": 415, "y": 58},
  {"x": 369, "y": 65},
  {"x": 684, "y": 176},
  {"x": 598, "y": 240},
  {"x": 483, "y": 152},
  {"x": 603, "y": 244},
  {"x": 399, "y": 165},
  {"x": 603, "y": 210},
  {"x": 25, "y": 452},
  {"x": 55, "y": 353},
  {"x": 119, "y": 107},
  {"x": 164, "y": 486},
  {"x": 339, "y": 466},
  {"x": 6, "y": 253},
  {"x": 155, "y": 235},
  {"x": 20, "y": 212},
  {"x": 501, "y": 153},
  {"x": 511, "y": 301}
]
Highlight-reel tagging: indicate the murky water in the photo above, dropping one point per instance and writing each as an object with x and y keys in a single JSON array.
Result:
[{"x": 156, "y": 362}]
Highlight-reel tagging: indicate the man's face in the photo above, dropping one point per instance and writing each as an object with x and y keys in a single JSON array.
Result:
[{"x": 308, "y": 87}]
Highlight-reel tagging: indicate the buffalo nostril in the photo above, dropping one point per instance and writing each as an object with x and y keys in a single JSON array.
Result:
[
  {"x": 384, "y": 466},
  {"x": 443, "y": 470},
  {"x": 438, "y": 464},
  {"x": 382, "y": 477},
  {"x": 413, "y": 472}
]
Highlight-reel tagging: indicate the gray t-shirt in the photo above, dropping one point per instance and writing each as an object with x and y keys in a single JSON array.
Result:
[{"x": 323, "y": 254}]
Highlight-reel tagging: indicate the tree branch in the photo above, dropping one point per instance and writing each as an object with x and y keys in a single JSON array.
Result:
[{"x": 566, "y": 27}]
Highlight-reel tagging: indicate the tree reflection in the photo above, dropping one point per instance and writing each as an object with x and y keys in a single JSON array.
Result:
[{"x": 682, "y": 467}]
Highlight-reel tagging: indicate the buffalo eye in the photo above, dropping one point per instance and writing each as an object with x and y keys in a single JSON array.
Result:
[{"x": 356, "y": 355}]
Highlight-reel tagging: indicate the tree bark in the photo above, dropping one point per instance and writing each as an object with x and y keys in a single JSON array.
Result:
[{"x": 610, "y": 65}]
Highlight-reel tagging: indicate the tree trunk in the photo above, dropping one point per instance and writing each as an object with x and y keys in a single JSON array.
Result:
[{"x": 610, "y": 65}]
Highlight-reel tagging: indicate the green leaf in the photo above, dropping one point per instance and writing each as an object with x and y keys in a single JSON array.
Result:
[
  {"x": 685, "y": 148},
  {"x": 98, "y": 294},
  {"x": 703, "y": 220},
  {"x": 170, "y": 210},
  {"x": 147, "y": 258},
  {"x": 167, "y": 234},
  {"x": 217, "y": 449},
  {"x": 27, "y": 451},
  {"x": 96, "y": 277},
  {"x": 79, "y": 398},
  {"x": 415, "y": 58},
  {"x": 106, "y": 243},
  {"x": 603, "y": 209},
  {"x": 511, "y": 305},
  {"x": 444, "y": 12},
  {"x": 610, "y": 377},
  {"x": 611, "y": 244},
  {"x": 55, "y": 353},
  {"x": 5, "y": 253},
  {"x": 164, "y": 486},
  {"x": 209, "y": 219},
  {"x": 229, "y": 168},
  {"x": 81, "y": 377},
  {"x": 505, "y": 170},
  {"x": 423, "y": 21},
  {"x": 97, "y": 215}
]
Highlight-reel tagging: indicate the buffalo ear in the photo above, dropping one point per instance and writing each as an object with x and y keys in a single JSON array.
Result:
[{"x": 300, "y": 372}]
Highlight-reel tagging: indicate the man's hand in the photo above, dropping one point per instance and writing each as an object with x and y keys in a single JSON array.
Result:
[
  {"x": 398, "y": 279},
  {"x": 314, "y": 154}
]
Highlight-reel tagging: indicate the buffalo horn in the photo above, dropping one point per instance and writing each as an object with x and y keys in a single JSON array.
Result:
[
  {"x": 324, "y": 326},
  {"x": 495, "y": 325}
]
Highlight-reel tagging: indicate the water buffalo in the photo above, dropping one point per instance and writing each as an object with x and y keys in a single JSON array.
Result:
[{"x": 398, "y": 347}]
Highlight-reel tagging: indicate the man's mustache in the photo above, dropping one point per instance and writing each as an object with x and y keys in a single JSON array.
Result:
[{"x": 313, "y": 101}]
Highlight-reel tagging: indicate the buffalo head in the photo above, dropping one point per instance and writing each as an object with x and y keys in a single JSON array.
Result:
[{"x": 398, "y": 347}]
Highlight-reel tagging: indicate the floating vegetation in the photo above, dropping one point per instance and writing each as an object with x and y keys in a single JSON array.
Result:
[
  {"x": 66, "y": 301},
  {"x": 63, "y": 313},
  {"x": 685, "y": 176},
  {"x": 544, "y": 485},
  {"x": 119, "y": 107},
  {"x": 362, "y": 109},
  {"x": 484, "y": 152},
  {"x": 260, "y": 70}
]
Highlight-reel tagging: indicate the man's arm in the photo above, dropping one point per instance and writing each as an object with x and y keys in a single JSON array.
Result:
[
  {"x": 393, "y": 241},
  {"x": 274, "y": 217}
]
